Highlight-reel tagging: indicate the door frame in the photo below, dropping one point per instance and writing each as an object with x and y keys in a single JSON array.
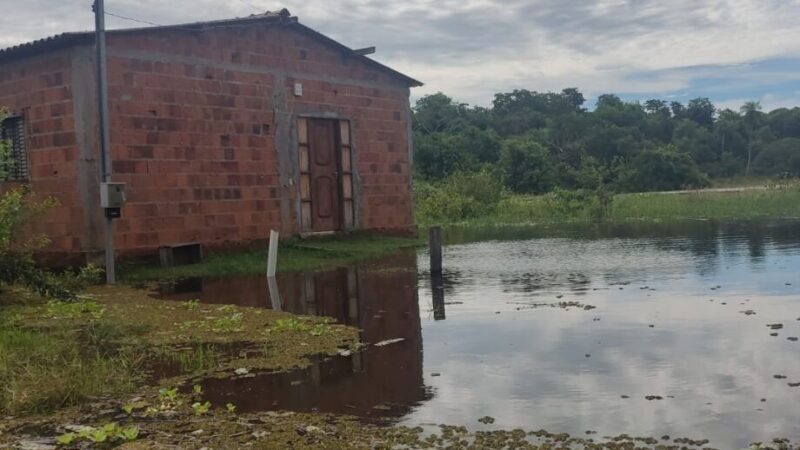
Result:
[{"x": 345, "y": 146}]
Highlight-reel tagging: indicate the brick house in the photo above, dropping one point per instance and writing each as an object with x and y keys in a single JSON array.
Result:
[{"x": 222, "y": 131}]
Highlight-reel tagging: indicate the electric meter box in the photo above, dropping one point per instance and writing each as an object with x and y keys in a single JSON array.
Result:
[{"x": 112, "y": 195}]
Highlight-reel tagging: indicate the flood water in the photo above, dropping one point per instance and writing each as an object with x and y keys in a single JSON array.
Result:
[{"x": 568, "y": 329}]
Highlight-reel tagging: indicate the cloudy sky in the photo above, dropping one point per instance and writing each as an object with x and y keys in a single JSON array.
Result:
[{"x": 728, "y": 50}]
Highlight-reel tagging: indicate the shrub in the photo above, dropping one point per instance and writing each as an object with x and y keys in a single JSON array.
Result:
[
  {"x": 459, "y": 197},
  {"x": 5, "y": 151},
  {"x": 781, "y": 157},
  {"x": 527, "y": 166},
  {"x": 581, "y": 203},
  {"x": 662, "y": 169},
  {"x": 17, "y": 245},
  {"x": 438, "y": 155}
]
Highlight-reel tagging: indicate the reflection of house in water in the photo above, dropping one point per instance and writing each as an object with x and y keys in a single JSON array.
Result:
[{"x": 381, "y": 301}]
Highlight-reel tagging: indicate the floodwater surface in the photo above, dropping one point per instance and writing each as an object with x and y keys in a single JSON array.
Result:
[{"x": 686, "y": 330}]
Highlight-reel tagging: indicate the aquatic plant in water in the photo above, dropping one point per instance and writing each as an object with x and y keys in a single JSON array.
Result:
[
  {"x": 107, "y": 433},
  {"x": 201, "y": 408}
]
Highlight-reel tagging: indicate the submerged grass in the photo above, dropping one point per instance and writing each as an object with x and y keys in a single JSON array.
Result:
[{"x": 292, "y": 255}]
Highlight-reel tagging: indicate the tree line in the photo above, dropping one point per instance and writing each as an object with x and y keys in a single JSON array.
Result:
[{"x": 537, "y": 142}]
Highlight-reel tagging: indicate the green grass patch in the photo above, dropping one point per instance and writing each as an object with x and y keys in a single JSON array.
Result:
[
  {"x": 292, "y": 255},
  {"x": 770, "y": 203},
  {"x": 775, "y": 203},
  {"x": 114, "y": 340},
  {"x": 753, "y": 181},
  {"x": 42, "y": 370}
]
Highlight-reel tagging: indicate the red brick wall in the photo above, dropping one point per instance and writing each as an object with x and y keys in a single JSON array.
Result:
[
  {"x": 195, "y": 149},
  {"x": 195, "y": 134},
  {"x": 40, "y": 89},
  {"x": 194, "y": 131}
]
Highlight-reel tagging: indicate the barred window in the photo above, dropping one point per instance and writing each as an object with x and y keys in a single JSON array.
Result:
[{"x": 14, "y": 162}]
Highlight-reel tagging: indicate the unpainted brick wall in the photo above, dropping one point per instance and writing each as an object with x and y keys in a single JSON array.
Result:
[
  {"x": 193, "y": 123},
  {"x": 193, "y": 133},
  {"x": 39, "y": 88}
]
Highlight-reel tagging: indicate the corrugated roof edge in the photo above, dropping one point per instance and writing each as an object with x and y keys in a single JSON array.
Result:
[{"x": 65, "y": 40}]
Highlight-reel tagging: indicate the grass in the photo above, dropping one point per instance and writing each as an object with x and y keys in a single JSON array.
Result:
[
  {"x": 752, "y": 181},
  {"x": 773, "y": 203},
  {"x": 292, "y": 255},
  {"x": 768, "y": 203},
  {"x": 54, "y": 355},
  {"x": 42, "y": 370}
]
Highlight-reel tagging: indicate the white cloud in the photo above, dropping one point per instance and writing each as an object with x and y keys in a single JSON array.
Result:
[
  {"x": 473, "y": 48},
  {"x": 768, "y": 101}
]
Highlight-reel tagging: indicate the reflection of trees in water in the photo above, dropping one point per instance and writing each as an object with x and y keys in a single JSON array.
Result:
[
  {"x": 704, "y": 245},
  {"x": 705, "y": 250},
  {"x": 706, "y": 241},
  {"x": 756, "y": 240}
]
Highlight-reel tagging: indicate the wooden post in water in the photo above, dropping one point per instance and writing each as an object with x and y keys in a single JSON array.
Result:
[
  {"x": 272, "y": 256},
  {"x": 435, "y": 249}
]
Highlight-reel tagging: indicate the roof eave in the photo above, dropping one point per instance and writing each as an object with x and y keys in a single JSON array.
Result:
[
  {"x": 369, "y": 61},
  {"x": 66, "y": 40}
]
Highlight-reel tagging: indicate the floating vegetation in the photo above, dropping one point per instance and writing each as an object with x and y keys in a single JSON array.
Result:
[
  {"x": 563, "y": 305},
  {"x": 105, "y": 434},
  {"x": 221, "y": 430}
]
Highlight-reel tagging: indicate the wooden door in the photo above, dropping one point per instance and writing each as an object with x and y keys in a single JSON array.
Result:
[{"x": 324, "y": 169}]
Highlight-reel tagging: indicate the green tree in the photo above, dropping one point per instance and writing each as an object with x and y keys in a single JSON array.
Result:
[
  {"x": 437, "y": 113},
  {"x": 696, "y": 140},
  {"x": 678, "y": 110},
  {"x": 659, "y": 107},
  {"x": 784, "y": 122},
  {"x": 701, "y": 111},
  {"x": 611, "y": 109},
  {"x": 752, "y": 117},
  {"x": 780, "y": 157},
  {"x": 573, "y": 99},
  {"x": 663, "y": 169},
  {"x": 452, "y": 137},
  {"x": 728, "y": 129},
  {"x": 527, "y": 166},
  {"x": 438, "y": 155},
  {"x": 518, "y": 112}
]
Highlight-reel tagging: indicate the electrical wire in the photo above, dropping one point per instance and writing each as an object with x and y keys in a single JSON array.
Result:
[
  {"x": 251, "y": 5},
  {"x": 118, "y": 16}
]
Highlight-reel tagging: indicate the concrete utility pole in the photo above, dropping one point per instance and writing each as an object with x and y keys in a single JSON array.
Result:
[{"x": 102, "y": 95}]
